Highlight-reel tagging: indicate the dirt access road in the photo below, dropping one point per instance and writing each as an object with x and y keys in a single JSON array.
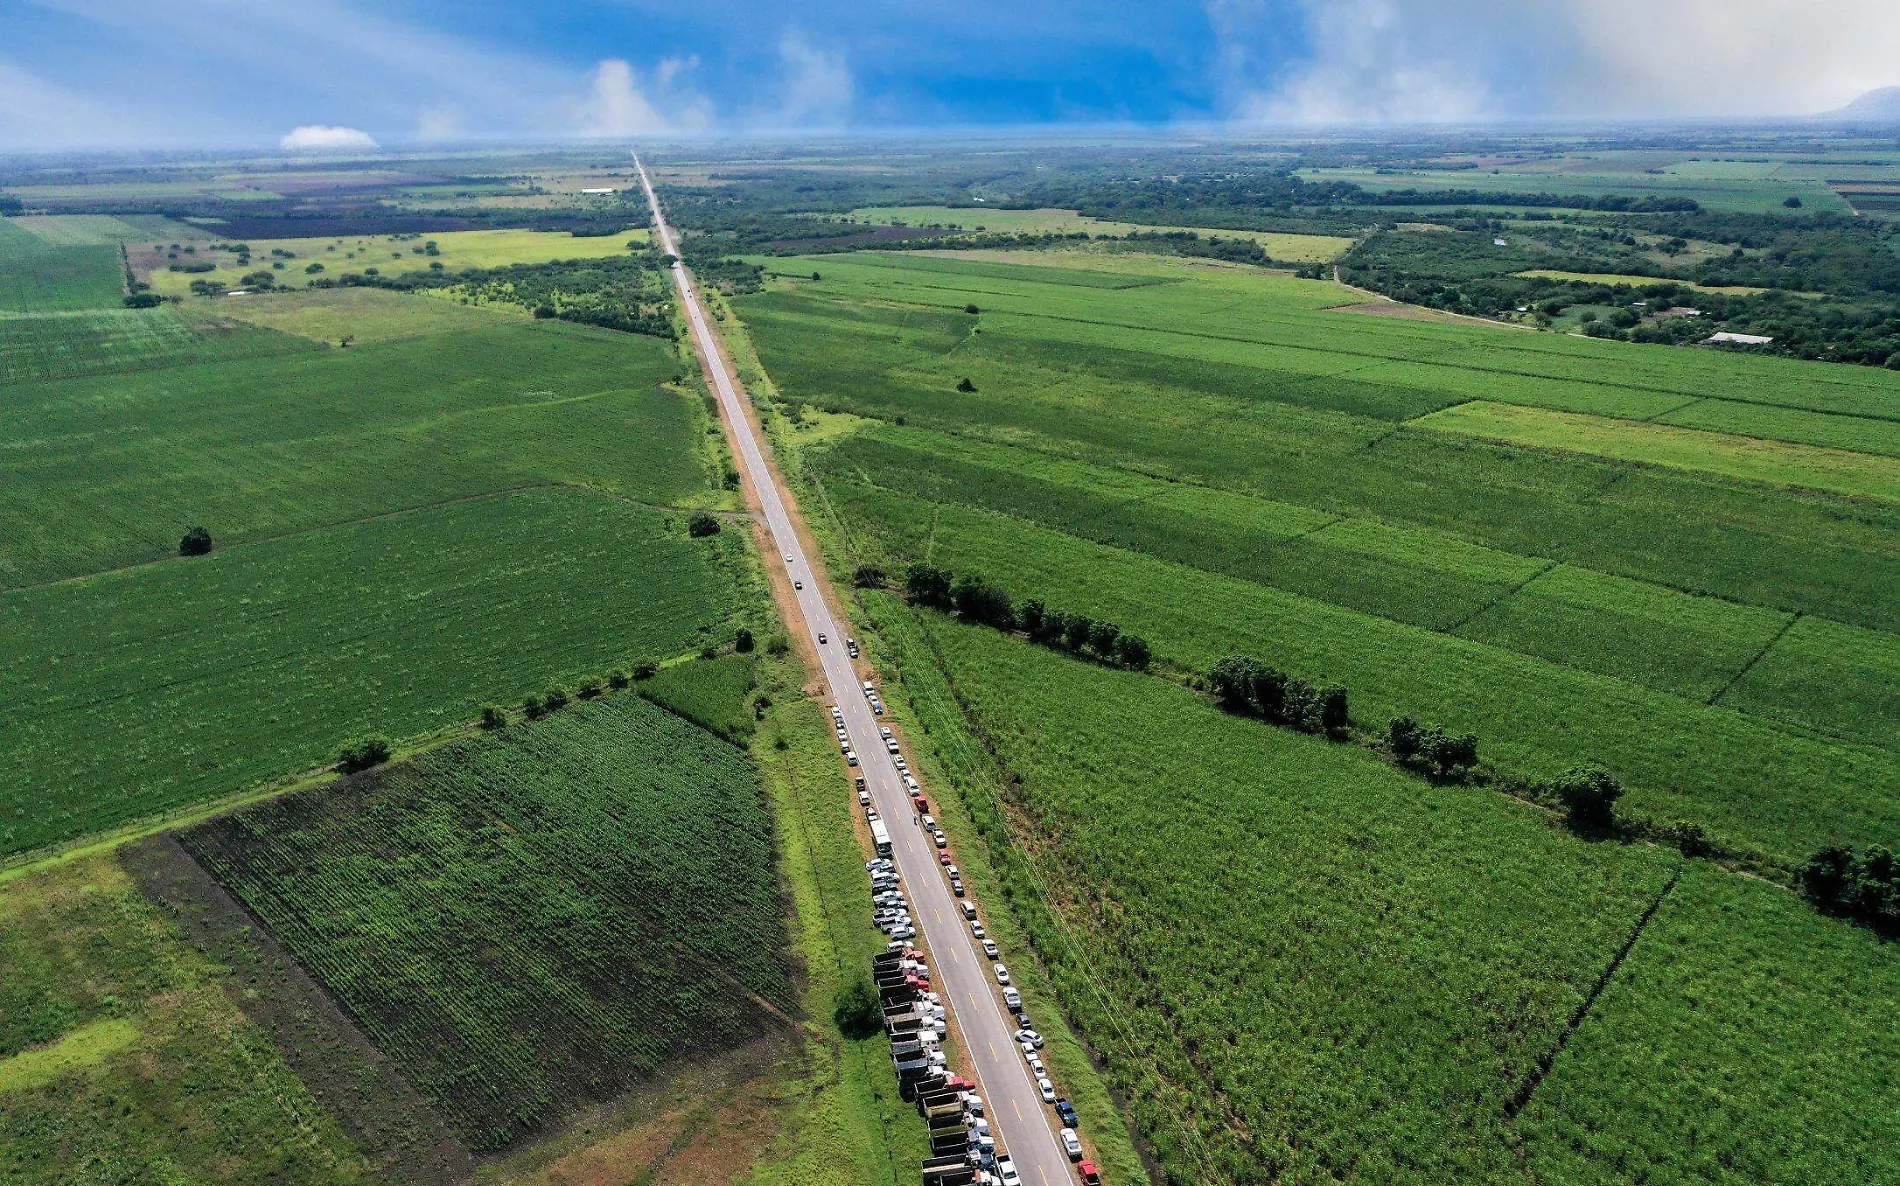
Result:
[{"x": 1019, "y": 1119}]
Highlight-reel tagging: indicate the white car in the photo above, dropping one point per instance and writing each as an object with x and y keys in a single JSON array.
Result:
[
  {"x": 798, "y": 584},
  {"x": 976, "y": 929},
  {"x": 1002, "y": 974},
  {"x": 973, "y": 1103},
  {"x": 1047, "y": 1089},
  {"x": 901, "y": 764},
  {"x": 969, "y": 911},
  {"x": 885, "y": 730},
  {"x": 990, "y": 949},
  {"x": 788, "y": 558},
  {"x": 850, "y": 759},
  {"x": 864, "y": 798},
  {"x": 1071, "y": 1144},
  {"x": 822, "y": 640},
  {"x": 1006, "y": 1174},
  {"x": 1011, "y": 997},
  {"x": 1030, "y": 1036}
]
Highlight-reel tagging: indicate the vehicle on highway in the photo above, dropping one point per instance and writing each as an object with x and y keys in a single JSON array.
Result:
[
  {"x": 1090, "y": 1175},
  {"x": 864, "y": 798},
  {"x": 972, "y": 1103},
  {"x": 1011, "y": 997},
  {"x": 850, "y": 759},
  {"x": 941, "y": 841},
  {"x": 1066, "y": 1111},
  {"x": 969, "y": 911},
  {"x": 821, "y": 638},
  {"x": 884, "y": 730},
  {"x": 956, "y": 887},
  {"x": 990, "y": 949},
  {"x": 798, "y": 584},
  {"x": 1071, "y": 1144},
  {"x": 788, "y": 558},
  {"x": 1002, "y": 974},
  {"x": 976, "y": 929},
  {"x": 1030, "y": 1036},
  {"x": 1047, "y": 1089},
  {"x": 1006, "y": 1174}
]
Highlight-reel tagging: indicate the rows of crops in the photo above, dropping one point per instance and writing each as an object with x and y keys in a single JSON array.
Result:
[
  {"x": 96, "y": 342},
  {"x": 1739, "y": 542},
  {"x": 1272, "y": 932},
  {"x": 1745, "y": 779},
  {"x": 110, "y": 470},
  {"x": 37, "y": 277},
  {"x": 534, "y": 919},
  {"x": 149, "y": 688},
  {"x": 1695, "y": 647}
]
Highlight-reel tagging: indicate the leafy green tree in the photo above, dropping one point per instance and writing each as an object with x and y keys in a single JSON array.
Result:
[
  {"x": 1404, "y": 738},
  {"x": 1333, "y": 716},
  {"x": 702, "y": 524},
  {"x": 645, "y": 669},
  {"x": 493, "y": 716},
  {"x": 554, "y": 699},
  {"x": 927, "y": 584},
  {"x": 1589, "y": 794},
  {"x": 197, "y": 542},
  {"x": 965, "y": 386},
  {"x": 1102, "y": 636},
  {"x": 532, "y": 708},
  {"x": 364, "y": 753},
  {"x": 1133, "y": 652},
  {"x": 868, "y": 576},
  {"x": 618, "y": 678},
  {"x": 589, "y": 688},
  {"x": 742, "y": 641},
  {"x": 1076, "y": 631},
  {"x": 857, "y": 1013},
  {"x": 1029, "y": 616},
  {"x": 1232, "y": 683},
  {"x": 972, "y": 310},
  {"x": 979, "y": 601}
]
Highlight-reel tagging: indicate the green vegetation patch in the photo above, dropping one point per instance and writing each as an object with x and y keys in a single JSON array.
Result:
[
  {"x": 109, "y": 342},
  {"x": 1659, "y": 638},
  {"x": 1839, "y": 681},
  {"x": 1861, "y": 434},
  {"x": 111, "y": 470},
  {"x": 1031, "y": 273},
  {"x": 1804, "y": 467},
  {"x": 36, "y": 277},
  {"x": 1744, "y": 1039},
  {"x": 1268, "y": 929},
  {"x": 147, "y": 689},
  {"x": 361, "y": 316},
  {"x": 123, "y": 1060},
  {"x": 532, "y": 919},
  {"x": 712, "y": 693},
  {"x": 1744, "y": 778}
]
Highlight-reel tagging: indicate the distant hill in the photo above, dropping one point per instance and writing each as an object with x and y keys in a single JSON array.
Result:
[{"x": 1882, "y": 105}]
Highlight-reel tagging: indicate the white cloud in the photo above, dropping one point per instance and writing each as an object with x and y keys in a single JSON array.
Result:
[
  {"x": 818, "y": 85},
  {"x": 619, "y": 103},
  {"x": 324, "y": 138},
  {"x": 1448, "y": 60}
]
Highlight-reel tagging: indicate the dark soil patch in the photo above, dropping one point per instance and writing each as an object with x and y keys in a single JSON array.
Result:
[{"x": 395, "y": 1128}]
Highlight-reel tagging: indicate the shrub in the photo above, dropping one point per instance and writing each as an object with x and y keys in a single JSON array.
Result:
[
  {"x": 1404, "y": 738},
  {"x": 554, "y": 699},
  {"x": 197, "y": 542},
  {"x": 645, "y": 669},
  {"x": 702, "y": 524},
  {"x": 1133, "y": 652},
  {"x": 533, "y": 708},
  {"x": 979, "y": 601},
  {"x": 778, "y": 644},
  {"x": 972, "y": 310},
  {"x": 1589, "y": 794},
  {"x": 493, "y": 716},
  {"x": 1029, "y": 616},
  {"x": 742, "y": 641},
  {"x": 1332, "y": 708},
  {"x": 589, "y": 688},
  {"x": 857, "y": 1013},
  {"x": 868, "y": 576},
  {"x": 1102, "y": 638},
  {"x": 1075, "y": 632},
  {"x": 618, "y": 678},
  {"x": 965, "y": 386},
  {"x": 363, "y": 753},
  {"x": 1864, "y": 886},
  {"x": 927, "y": 584}
]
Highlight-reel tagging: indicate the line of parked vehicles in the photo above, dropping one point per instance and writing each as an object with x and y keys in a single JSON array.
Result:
[{"x": 963, "y": 1150}]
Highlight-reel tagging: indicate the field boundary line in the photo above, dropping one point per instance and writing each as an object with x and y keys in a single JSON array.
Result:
[
  {"x": 1521, "y": 1098},
  {"x": 1690, "y": 403},
  {"x": 1509, "y": 593},
  {"x": 1794, "y": 617}
]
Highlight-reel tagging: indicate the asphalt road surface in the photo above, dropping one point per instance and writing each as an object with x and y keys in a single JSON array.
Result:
[{"x": 1019, "y": 1119}]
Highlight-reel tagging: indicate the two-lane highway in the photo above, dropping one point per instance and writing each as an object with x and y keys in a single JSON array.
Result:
[{"x": 1018, "y": 1117}]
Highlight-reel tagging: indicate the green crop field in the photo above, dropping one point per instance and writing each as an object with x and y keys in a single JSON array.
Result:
[
  {"x": 389, "y": 255},
  {"x": 1634, "y": 281},
  {"x": 534, "y": 919},
  {"x": 37, "y": 277},
  {"x": 1261, "y": 932},
  {"x": 1305, "y": 913},
  {"x": 121, "y": 1054},
  {"x": 104, "y": 342},
  {"x": 109, "y": 470},
  {"x": 1743, "y": 1040},
  {"x": 1291, "y": 248},
  {"x": 1240, "y": 491},
  {"x": 709, "y": 692},
  {"x": 162, "y": 685},
  {"x": 1749, "y": 458}
]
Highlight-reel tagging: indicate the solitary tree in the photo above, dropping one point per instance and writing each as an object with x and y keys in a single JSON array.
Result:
[
  {"x": 363, "y": 753},
  {"x": 742, "y": 641},
  {"x": 965, "y": 386},
  {"x": 857, "y": 1013},
  {"x": 1589, "y": 793},
  {"x": 197, "y": 542},
  {"x": 702, "y": 524}
]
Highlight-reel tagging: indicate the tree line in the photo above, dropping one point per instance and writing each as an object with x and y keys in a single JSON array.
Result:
[
  {"x": 977, "y": 600},
  {"x": 1854, "y": 884}
]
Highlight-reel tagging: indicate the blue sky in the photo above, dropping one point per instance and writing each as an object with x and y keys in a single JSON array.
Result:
[{"x": 218, "y": 72}]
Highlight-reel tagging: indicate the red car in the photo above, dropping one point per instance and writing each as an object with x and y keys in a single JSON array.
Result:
[
  {"x": 943, "y": 858},
  {"x": 1090, "y": 1175}
]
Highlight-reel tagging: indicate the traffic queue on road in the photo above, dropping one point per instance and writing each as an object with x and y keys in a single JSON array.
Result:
[{"x": 963, "y": 1150}]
